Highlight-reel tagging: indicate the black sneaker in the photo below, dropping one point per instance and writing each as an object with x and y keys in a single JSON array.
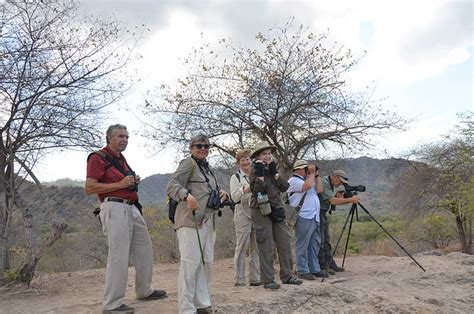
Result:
[
  {"x": 321, "y": 274},
  {"x": 306, "y": 276},
  {"x": 293, "y": 281},
  {"x": 256, "y": 284},
  {"x": 205, "y": 310},
  {"x": 336, "y": 268},
  {"x": 272, "y": 285},
  {"x": 155, "y": 295},
  {"x": 121, "y": 309}
]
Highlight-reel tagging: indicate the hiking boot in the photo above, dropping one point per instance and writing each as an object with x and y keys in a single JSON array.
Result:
[
  {"x": 121, "y": 309},
  {"x": 336, "y": 268},
  {"x": 155, "y": 295},
  {"x": 293, "y": 281},
  {"x": 321, "y": 274},
  {"x": 205, "y": 310},
  {"x": 272, "y": 285},
  {"x": 239, "y": 284},
  {"x": 306, "y": 276},
  {"x": 256, "y": 284},
  {"x": 330, "y": 271}
]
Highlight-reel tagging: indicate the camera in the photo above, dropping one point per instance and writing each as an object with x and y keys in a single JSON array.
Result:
[
  {"x": 230, "y": 203},
  {"x": 133, "y": 187},
  {"x": 214, "y": 201},
  {"x": 352, "y": 190}
]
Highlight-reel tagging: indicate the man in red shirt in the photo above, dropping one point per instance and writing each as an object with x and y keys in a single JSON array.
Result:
[{"x": 110, "y": 177}]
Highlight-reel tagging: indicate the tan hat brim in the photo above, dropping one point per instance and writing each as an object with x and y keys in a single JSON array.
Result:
[{"x": 255, "y": 153}]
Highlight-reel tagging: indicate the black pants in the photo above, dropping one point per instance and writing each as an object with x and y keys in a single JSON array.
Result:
[{"x": 325, "y": 252}]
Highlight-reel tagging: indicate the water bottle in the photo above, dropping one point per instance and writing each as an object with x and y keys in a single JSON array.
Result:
[{"x": 263, "y": 203}]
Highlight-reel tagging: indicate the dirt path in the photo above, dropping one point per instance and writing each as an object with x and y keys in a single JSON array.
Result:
[{"x": 370, "y": 284}]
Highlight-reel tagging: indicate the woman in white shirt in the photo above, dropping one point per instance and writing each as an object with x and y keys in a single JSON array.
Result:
[{"x": 244, "y": 230}]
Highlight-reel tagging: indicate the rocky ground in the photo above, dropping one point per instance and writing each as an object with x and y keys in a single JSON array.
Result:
[{"x": 369, "y": 284}]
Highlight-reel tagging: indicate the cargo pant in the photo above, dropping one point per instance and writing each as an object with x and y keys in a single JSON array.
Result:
[
  {"x": 194, "y": 278},
  {"x": 246, "y": 240},
  {"x": 268, "y": 233},
  {"x": 128, "y": 236}
]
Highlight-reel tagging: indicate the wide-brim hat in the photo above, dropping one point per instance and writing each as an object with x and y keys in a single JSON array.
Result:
[
  {"x": 261, "y": 146},
  {"x": 300, "y": 164},
  {"x": 342, "y": 175}
]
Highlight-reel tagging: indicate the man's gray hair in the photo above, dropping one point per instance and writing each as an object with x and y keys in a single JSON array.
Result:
[
  {"x": 199, "y": 138},
  {"x": 111, "y": 130}
]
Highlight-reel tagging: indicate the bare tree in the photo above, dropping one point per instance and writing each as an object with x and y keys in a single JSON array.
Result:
[
  {"x": 442, "y": 178},
  {"x": 290, "y": 91},
  {"x": 58, "y": 70}
]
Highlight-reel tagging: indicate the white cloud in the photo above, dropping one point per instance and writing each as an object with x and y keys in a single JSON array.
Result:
[{"x": 409, "y": 42}]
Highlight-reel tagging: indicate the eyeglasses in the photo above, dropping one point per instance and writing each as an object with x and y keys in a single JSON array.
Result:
[{"x": 201, "y": 146}]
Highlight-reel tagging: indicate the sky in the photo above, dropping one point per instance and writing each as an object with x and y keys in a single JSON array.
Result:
[{"x": 419, "y": 60}]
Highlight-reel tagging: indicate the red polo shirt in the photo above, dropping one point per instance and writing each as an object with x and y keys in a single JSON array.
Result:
[{"x": 97, "y": 169}]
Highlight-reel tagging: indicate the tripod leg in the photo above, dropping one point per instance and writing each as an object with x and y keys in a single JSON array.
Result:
[
  {"x": 343, "y": 229},
  {"x": 353, "y": 210},
  {"x": 367, "y": 212}
]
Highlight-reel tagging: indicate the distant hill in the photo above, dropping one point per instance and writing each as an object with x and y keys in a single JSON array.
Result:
[
  {"x": 65, "y": 182},
  {"x": 377, "y": 175}
]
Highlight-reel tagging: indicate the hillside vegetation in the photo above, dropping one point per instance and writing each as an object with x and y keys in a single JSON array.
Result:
[{"x": 83, "y": 245}]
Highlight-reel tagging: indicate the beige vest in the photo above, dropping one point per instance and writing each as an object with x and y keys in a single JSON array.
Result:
[{"x": 187, "y": 177}]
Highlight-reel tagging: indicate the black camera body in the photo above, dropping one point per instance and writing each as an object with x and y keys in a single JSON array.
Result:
[
  {"x": 133, "y": 187},
  {"x": 228, "y": 202},
  {"x": 352, "y": 190},
  {"x": 214, "y": 201}
]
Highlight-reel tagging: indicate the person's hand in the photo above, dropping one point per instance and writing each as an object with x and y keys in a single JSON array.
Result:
[
  {"x": 127, "y": 181},
  {"x": 246, "y": 188},
  {"x": 259, "y": 168},
  {"x": 223, "y": 195},
  {"x": 355, "y": 199},
  {"x": 312, "y": 169},
  {"x": 191, "y": 202},
  {"x": 273, "y": 168}
]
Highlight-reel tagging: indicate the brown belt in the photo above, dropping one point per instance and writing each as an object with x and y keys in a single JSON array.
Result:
[{"x": 119, "y": 200}]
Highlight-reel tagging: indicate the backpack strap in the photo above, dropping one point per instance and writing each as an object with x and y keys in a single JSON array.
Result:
[{"x": 111, "y": 161}]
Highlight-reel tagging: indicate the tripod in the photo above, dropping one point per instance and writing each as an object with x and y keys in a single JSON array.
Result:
[{"x": 353, "y": 211}]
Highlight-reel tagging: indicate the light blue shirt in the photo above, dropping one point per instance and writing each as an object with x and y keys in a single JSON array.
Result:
[{"x": 311, "y": 206}]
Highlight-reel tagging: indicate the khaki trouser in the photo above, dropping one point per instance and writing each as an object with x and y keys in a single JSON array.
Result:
[
  {"x": 246, "y": 239},
  {"x": 267, "y": 233},
  {"x": 128, "y": 236},
  {"x": 194, "y": 279}
]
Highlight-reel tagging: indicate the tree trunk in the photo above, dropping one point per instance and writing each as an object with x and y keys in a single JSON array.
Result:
[
  {"x": 30, "y": 235},
  {"x": 4, "y": 247},
  {"x": 468, "y": 228},
  {"x": 5, "y": 222},
  {"x": 27, "y": 270},
  {"x": 462, "y": 233}
]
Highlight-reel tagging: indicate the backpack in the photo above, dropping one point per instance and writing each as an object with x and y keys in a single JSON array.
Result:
[{"x": 173, "y": 204}]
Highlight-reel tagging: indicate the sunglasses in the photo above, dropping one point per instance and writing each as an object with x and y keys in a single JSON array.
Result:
[{"x": 201, "y": 146}]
